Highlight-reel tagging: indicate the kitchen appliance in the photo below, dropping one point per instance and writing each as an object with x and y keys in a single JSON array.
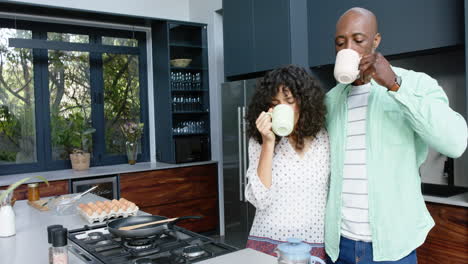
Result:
[
  {"x": 296, "y": 252},
  {"x": 96, "y": 245},
  {"x": 239, "y": 213},
  {"x": 107, "y": 186}
]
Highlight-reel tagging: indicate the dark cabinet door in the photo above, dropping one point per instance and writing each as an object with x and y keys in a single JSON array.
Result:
[
  {"x": 238, "y": 37},
  {"x": 406, "y": 26},
  {"x": 272, "y": 39}
]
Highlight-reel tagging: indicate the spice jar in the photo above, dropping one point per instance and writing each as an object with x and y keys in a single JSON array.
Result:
[
  {"x": 59, "y": 246},
  {"x": 33, "y": 192}
]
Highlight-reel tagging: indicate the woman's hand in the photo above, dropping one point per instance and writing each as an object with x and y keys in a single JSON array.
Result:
[{"x": 263, "y": 124}]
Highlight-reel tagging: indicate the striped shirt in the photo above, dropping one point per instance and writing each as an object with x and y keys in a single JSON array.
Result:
[{"x": 355, "y": 217}]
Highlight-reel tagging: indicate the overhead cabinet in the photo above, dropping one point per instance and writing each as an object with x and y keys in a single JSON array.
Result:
[{"x": 261, "y": 35}]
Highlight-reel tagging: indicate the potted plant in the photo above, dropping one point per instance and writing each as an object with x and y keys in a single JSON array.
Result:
[
  {"x": 80, "y": 157},
  {"x": 132, "y": 132},
  {"x": 7, "y": 215}
]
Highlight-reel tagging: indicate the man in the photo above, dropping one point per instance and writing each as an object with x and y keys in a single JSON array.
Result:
[{"x": 380, "y": 128}]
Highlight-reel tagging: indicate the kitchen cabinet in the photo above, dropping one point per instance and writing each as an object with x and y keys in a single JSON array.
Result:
[
  {"x": 54, "y": 188},
  {"x": 181, "y": 92},
  {"x": 238, "y": 37},
  {"x": 260, "y": 35},
  {"x": 176, "y": 192},
  {"x": 406, "y": 26},
  {"x": 446, "y": 242}
]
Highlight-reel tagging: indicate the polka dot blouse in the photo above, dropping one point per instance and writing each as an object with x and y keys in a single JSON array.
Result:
[{"x": 294, "y": 205}]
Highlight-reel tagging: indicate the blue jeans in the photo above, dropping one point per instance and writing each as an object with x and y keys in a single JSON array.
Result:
[{"x": 357, "y": 252}]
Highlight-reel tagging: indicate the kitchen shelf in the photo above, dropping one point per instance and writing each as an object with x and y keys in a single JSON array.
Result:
[
  {"x": 190, "y": 134},
  {"x": 190, "y": 112},
  {"x": 186, "y": 45},
  {"x": 189, "y": 91},
  {"x": 189, "y": 68}
]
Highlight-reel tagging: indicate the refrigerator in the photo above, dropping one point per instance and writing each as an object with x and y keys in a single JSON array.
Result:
[{"x": 239, "y": 213}]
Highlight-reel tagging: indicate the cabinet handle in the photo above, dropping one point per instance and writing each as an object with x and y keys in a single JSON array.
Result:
[
  {"x": 244, "y": 149},
  {"x": 239, "y": 142}
]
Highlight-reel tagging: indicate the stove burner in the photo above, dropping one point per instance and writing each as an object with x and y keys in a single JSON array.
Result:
[
  {"x": 95, "y": 235},
  {"x": 193, "y": 251},
  {"x": 143, "y": 261},
  {"x": 104, "y": 242},
  {"x": 140, "y": 243}
]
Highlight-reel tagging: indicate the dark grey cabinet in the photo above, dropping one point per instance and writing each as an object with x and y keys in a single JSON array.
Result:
[
  {"x": 271, "y": 34},
  {"x": 260, "y": 35},
  {"x": 238, "y": 37},
  {"x": 406, "y": 26},
  {"x": 466, "y": 57},
  {"x": 181, "y": 94}
]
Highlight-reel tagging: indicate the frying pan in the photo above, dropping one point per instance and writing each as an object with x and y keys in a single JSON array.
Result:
[{"x": 143, "y": 232}]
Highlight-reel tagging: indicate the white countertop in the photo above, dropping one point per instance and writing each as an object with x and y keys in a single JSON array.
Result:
[
  {"x": 244, "y": 256},
  {"x": 29, "y": 245},
  {"x": 96, "y": 171},
  {"x": 457, "y": 200}
]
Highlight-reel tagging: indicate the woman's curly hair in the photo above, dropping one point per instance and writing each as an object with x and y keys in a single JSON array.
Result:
[{"x": 306, "y": 92}]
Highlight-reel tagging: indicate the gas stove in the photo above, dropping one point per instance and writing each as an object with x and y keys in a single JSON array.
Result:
[{"x": 95, "y": 245}]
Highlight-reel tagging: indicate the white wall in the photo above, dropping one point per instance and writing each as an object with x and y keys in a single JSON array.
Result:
[
  {"x": 205, "y": 11},
  {"x": 166, "y": 9}
]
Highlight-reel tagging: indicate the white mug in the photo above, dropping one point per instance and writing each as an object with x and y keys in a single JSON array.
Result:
[
  {"x": 282, "y": 120},
  {"x": 347, "y": 66}
]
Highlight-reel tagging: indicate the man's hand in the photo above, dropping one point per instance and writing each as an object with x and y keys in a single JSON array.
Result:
[{"x": 375, "y": 66}]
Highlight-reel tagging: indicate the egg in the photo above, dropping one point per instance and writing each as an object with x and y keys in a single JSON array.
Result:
[
  {"x": 88, "y": 211},
  {"x": 107, "y": 209},
  {"x": 115, "y": 208},
  {"x": 122, "y": 200},
  {"x": 99, "y": 203},
  {"x": 131, "y": 206},
  {"x": 81, "y": 205},
  {"x": 99, "y": 211},
  {"x": 90, "y": 204}
]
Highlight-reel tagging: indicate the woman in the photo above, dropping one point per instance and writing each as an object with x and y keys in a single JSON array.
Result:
[{"x": 288, "y": 176}]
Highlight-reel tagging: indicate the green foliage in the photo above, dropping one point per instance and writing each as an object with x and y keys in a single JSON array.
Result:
[{"x": 70, "y": 96}]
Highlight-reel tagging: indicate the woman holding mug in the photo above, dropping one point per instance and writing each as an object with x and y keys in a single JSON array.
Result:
[{"x": 287, "y": 176}]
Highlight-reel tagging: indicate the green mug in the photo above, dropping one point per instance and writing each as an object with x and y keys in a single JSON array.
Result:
[{"x": 282, "y": 120}]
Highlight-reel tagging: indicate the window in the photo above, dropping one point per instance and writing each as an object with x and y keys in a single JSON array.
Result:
[
  {"x": 17, "y": 102},
  {"x": 56, "y": 80}
]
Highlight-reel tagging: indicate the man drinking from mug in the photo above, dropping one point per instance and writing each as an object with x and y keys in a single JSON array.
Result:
[{"x": 380, "y": 126}]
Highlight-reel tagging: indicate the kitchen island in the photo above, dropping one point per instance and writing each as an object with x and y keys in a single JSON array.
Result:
[{"x": 29, "y": 245}]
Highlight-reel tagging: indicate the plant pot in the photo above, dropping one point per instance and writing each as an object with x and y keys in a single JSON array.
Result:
[
  {"x": 132, "y": 152},
  {"x": 7, "y": 220},
  {"x": 80, "y": 161}
]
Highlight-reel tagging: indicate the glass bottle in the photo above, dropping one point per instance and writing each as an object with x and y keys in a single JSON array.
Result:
[
  {"x": 33, "y": 192},
  {"x": 50, "y": 230},
  {"x": 59, "y": 246}
]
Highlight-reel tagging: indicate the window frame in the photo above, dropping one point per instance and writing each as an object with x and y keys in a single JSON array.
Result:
[{"x": 41, "y": 91}]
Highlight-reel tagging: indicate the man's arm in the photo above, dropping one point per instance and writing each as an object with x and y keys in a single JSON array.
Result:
[{"x": 425, "y": 106}]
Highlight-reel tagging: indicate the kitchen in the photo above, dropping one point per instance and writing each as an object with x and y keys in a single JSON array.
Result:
[{"x": 192, "y": 155}]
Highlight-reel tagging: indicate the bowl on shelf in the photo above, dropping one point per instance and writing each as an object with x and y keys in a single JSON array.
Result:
[{"x": 181, "y": 62}]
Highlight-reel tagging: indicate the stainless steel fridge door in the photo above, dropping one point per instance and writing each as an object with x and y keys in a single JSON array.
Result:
[{"x": 238, "y": 212}]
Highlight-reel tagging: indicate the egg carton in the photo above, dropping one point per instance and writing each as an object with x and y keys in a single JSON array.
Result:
[
  {"x": 96, "y": 217},
  {"x": 100, "y": 211}
]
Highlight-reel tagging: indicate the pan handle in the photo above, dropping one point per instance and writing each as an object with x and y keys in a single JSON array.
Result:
[{"x": 183, "y": 218}]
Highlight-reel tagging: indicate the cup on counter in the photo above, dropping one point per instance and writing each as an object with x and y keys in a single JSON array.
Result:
[
  {"x": 282, "y": 120},
  {"x": 346, "y": 66}
]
